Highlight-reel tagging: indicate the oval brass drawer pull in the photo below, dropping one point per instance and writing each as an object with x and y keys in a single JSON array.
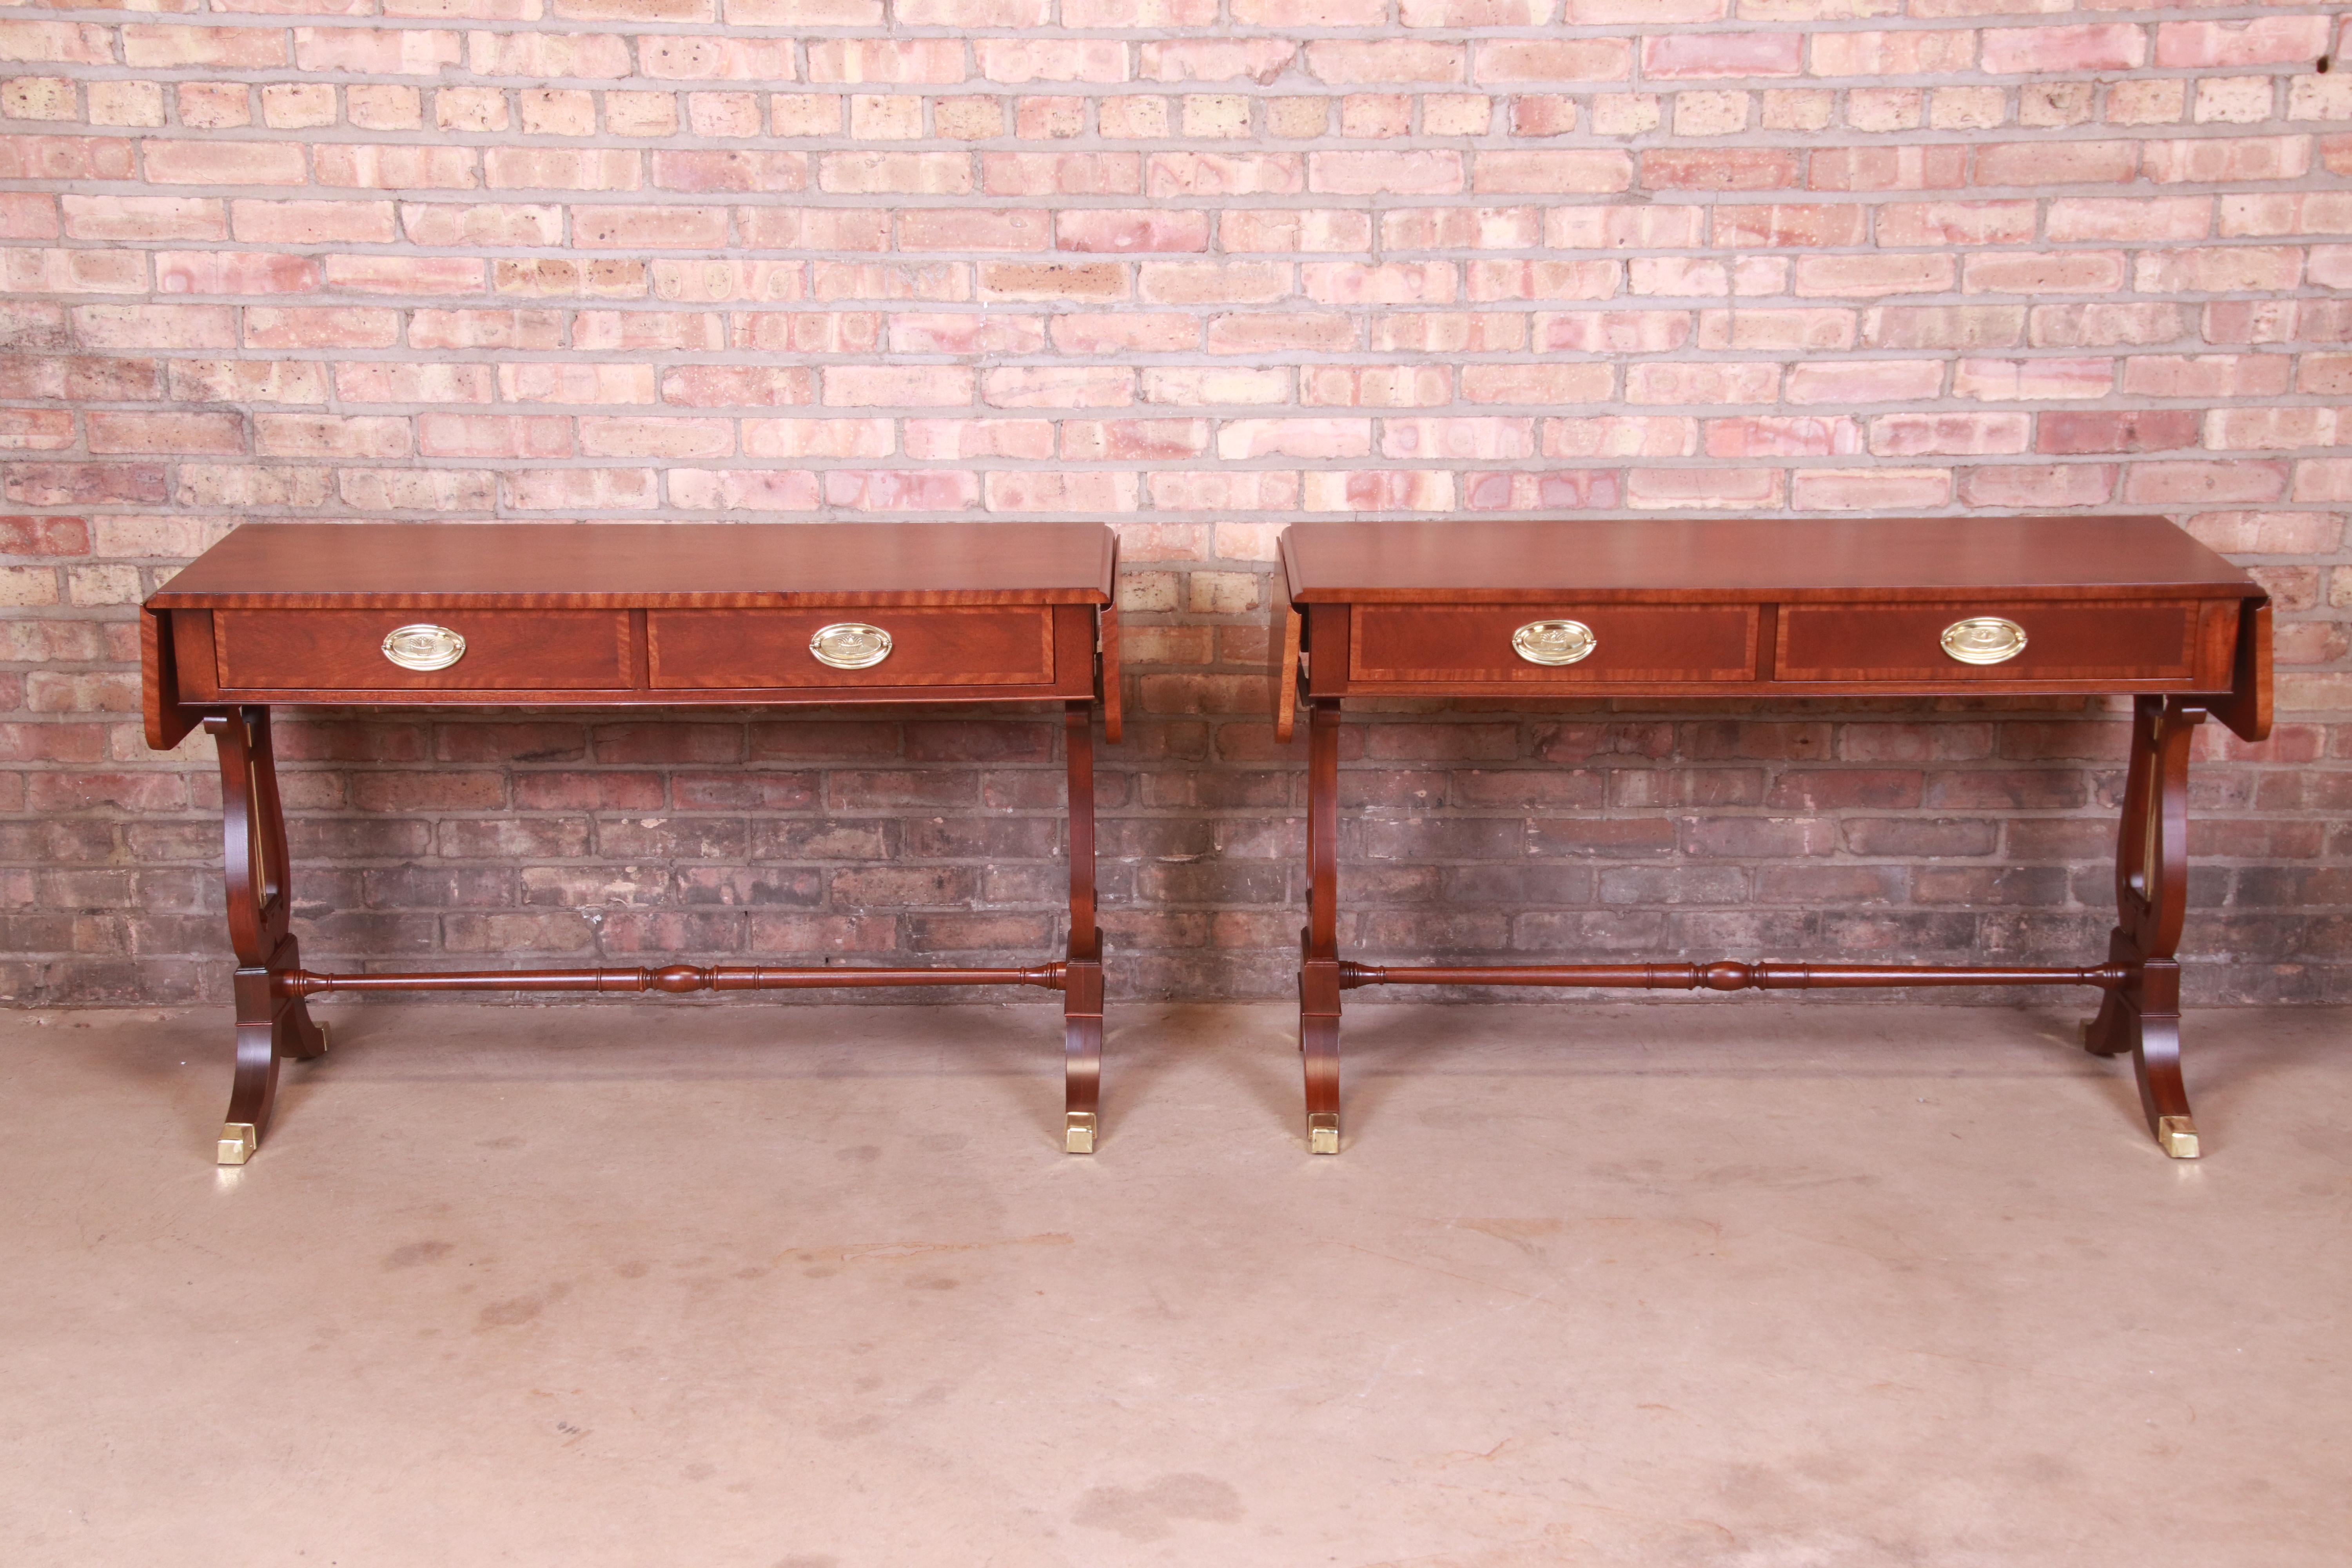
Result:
[
  {"x": 1984, "y": 639},
  {"x": 1554, "y": 642},
  {"x": 850, "y": 645},
  {"x": 423, "y": 647}
]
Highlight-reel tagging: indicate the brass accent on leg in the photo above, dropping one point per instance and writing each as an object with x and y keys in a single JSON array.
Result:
[
  {"x": 326, "y": 1038},
  {"x": 2178, "y": 1136},
  {"x": 238, "y": 1140},
  {"x": 1079, "y": 1132},
  {"x": 2081, "y": 1034},
  {"x": 1322, "y": 1133}
]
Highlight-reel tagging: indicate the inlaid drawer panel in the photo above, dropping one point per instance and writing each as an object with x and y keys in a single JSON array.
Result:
[
  {"x": 476, "y": 650},
  {"x": 1009, "y": 644},
  {"x": 2112, "y": 641},
  {"x": 1598, "y": 643}
]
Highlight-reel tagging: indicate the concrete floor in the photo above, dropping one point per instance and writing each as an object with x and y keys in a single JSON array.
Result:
[{"x": 1774, "y": 1285}]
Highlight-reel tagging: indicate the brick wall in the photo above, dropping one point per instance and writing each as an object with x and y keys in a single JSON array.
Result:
[{"x": 1198, "y": 266}]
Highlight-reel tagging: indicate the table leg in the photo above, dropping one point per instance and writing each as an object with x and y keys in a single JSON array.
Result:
[
  {"x": 254, "y": 858},
  {"x": 1319, "y": 968},
  {"x": 2151, "y": 904},
  {"x": 1082, "y": 997}
]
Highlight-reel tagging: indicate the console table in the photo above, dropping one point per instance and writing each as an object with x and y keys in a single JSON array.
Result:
[
  {"x": 1741, "y": 609},
  {"x": 631, "y": 615}
]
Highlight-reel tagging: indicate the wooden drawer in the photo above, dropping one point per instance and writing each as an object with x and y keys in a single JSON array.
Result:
[
  {"x": 344, "y": 650},
  {"x": 993, "y": 645},
  {"x": 1630, "y": 642},
  {"x": 2116, "y": 641}
]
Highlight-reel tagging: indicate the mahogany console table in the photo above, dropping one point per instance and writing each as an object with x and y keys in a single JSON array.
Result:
[
  {"x": 627, "y": 616},
  {"x": 1738, "y": 609}
]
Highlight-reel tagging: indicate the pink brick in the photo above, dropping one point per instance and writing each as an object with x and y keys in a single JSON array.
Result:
[
  {"x": 1545, "y": 384},
  {"x": 1113, "y": 231},
  {"x": 1546, "y": 173},
  {"x": 235, "y": 272},
  {"x": 1845, "y": 382},
  {"x": 1959, "y": 222},
  {"x": 1792, "y": 224},
  {"x": 1705, "y": 490},
  {"x": 2033, "y": 379},
  {"x": 1622, "y": 436},
  {"x": 1717, "y": 384},
  {"x": 751, "y": 490},
  {"x": 971, "y": 332},
  {"x": 1226, "y": 175},
  {"x": 165, "y": 45},
  {"x": 906, "y": 489},
  {"x": 2044, "y": 272},
  {"x": 1395, "y": 386},
  {"x": 1057, "y": 387},
  {"x": 312, "y": 222},
  {"x": 2098, "y": 47},
  {"x": 1798, "y": 436},
  {"x": 1344, "y": 63},
  {"x": 1085, "y": 494},
  {"x": 2211, "y": 376},
  {"x": 2227, "y": 159},
  {"x": 728, "y": 170},
  {"x": 377, "y": 51},
  {"x": 2261, "y": 41},
  {"x": 1611, "y": 331},
  {"x": 1871, "y": 277},
  {"x": 1949, "y": 434},
  {"x": 1668, "y": 55},
  {"x": 1928, "y": 168},
  {"x": 1017, "y": 62},
  {"x": 578, "y": 489},
  {"x": 1870, "y": 490},
  {"x": 1719, "y": 169},
  {"x": 1281, "y": 333},
  {"x": 2029, "y": 486},
  {"x": 963, "y": 439},
  {"x": 1491, "y": 281},
  {"x": 918, "y": 386},
  {"x": 2204, "y": 484},
  {"x": 1060, "y": 173},
  {"x": 675, "y": 59},
  {"x": 2057, "y": 162},
  {"x": 493, "y": 435},
  {"x": 2075, "y": 218},
  {"x": 930, "y": 60},
  {"x": 1133, "y": 332},
  {"x": 1372, "y": 174},
  {"x": 973, "y": 228},
  {"x": 648, "y": 227},
  {"x": 821, "y": 439},
  {"x": 1215, "y": 59},
  {"x": 1502, "y": 62},
  {"x": 224, "y": 163},
  {"x": 1894, "y": 54}
]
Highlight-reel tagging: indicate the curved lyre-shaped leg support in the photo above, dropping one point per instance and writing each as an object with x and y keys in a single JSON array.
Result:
[
  {"x": 2143, "y": 1016},
  {"x": 1319, "y": 966},
  {"x": 253, "y": 858},
  {"x": 1082, "y": 996}
]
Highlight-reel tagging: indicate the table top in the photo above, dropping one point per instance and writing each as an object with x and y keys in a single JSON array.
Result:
[
  {"x": 1793, "y": 559},
  {"x": 632, "y": 565}
]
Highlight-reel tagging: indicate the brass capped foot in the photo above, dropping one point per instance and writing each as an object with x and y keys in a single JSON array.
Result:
[
  {"x": 2176, "y": 1135},
  {"x": 1079, "y": 1132},
  {"x": 238, "y": 1140},
  {"x": 1323, "y": 1133},
  {"x": 326, "y": 1038}
]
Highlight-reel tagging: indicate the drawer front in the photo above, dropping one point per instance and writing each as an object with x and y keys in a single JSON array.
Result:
[
  {"x": 993, "y": 645},
  {"x": 344, "y": 650},
  {"x": 1629, "y": 643},
  {"x": 2119, "y": 641}
]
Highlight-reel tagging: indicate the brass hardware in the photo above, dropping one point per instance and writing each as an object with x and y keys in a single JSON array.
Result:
[
  {"x": 850, "y": 645},
  {"x": 1984, "y": 639},
  {"x": 1079, "y": 1132},
  {"x": 1554, "y": 642},
  {"x": 237, "y": 1142},
  {"x": 423, "y": 647},
  {"x": 2178, "y": 1135},
  {"x": 326, "y": 1038},
  {"x": 1322, "y": 1132}
]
